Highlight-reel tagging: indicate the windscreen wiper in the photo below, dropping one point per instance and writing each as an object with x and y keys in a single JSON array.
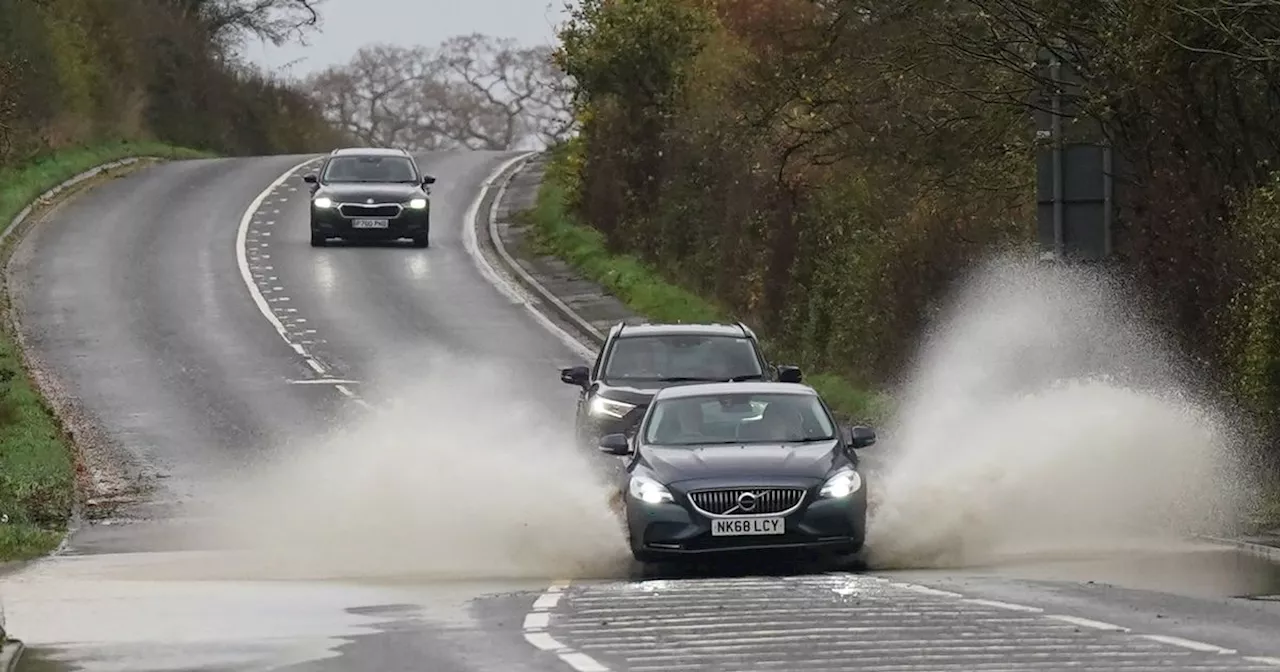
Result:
[{"x": 746, "y": 376}]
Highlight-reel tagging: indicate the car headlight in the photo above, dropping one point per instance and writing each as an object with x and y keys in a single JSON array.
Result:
[
  {"x": 649, "y": 491},
  {"x": 323, "y": 202},
  {"x": 841, "y": 484},
  {"x": 610, "y": 407},
  {"x": 418, "y": 204}
]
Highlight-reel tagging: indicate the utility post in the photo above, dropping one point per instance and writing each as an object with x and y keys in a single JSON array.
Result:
[{"x": 1074, "y": 169}]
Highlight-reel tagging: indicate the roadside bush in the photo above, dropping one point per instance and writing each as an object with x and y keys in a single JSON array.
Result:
[{"x": 77, "y": 72}]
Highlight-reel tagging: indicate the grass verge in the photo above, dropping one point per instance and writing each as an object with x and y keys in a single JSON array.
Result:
[
  {"x": 645, "y": 292},
  {"x": 37, "y": 460}
]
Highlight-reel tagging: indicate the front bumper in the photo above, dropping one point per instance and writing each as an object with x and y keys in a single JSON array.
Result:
[
  {"x": 676, "y": 529},
  {"x": 330, "y": 223}
]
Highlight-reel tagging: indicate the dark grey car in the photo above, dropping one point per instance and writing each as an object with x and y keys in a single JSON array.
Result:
[
  {"x": 369, "y": 194},
  {"x": 742, "y": 467}
]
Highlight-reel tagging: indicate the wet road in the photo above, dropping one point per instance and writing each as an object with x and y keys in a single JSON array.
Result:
[{"x": 134, "y": 297}]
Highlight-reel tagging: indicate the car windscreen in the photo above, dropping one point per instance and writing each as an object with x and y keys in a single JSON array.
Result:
[
  {"x": 665, "y": 356},
  {"x": 738, "y": 417},
  {"x": 370, "y": 169}
]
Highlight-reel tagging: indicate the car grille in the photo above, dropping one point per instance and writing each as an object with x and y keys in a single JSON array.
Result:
[
  {"x": 352, "y": 210},
  {"x": 725, "y": 502}
]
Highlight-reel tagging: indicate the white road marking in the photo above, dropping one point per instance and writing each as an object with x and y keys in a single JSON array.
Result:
[
  {"x": 340, "y": 382},
  {"x": 512, "y": 291},
  {"x": 543, "y": 641},
  {"x": 1006, "y": 605},
  {"x": 1275, "y": 662},
  {"x": 547, "y": 600},
  {"x": 1188, "y": 644},
  {"x": 537, "y": 620},
  {"x": 1087, "y": 623}
]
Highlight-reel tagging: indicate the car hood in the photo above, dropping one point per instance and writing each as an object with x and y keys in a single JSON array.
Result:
[
  {"x": 638, "y": 393},
  {"x": 737, "y": 461},
  {"x": 380, "y": 193}
]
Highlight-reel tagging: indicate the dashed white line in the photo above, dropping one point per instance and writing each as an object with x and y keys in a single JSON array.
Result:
[
  {"x": 242, "y": 252},
  {"x": 539, "y": 619}
]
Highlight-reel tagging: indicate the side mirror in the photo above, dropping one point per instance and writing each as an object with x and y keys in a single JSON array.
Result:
[
  {"x": 311, "y": 179},
  {"x": 575, "y": 375},
  {"x": 859, "y": 436},
  {"x": 789, "y": 374},
  {"x": 428, "y": 180},
  {"x": 615, "y": 444}
]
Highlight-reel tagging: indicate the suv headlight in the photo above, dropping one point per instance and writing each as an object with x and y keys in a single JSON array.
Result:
[
  {"x": 649, "y": 491},
  {"x": 841, "y": 484},
  {"x": 323, "y": 202},
  {"x": 610, "y": 407},
  {"x": 418, "y": 204}
]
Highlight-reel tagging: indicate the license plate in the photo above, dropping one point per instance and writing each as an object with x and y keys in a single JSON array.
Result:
[
  {"x": 728, "y": 527},
  {"x": 369, "y": 224}
]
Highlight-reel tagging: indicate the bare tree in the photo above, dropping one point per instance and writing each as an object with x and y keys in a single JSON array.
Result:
[
  {"x": 276, "y": 21},
  {"x": 472, "y": 91}
]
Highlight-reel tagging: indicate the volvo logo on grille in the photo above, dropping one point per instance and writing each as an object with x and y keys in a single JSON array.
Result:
[{"x": 747, "y": 501}]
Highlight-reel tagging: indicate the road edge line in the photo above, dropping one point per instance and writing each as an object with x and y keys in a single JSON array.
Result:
[
  {"x": 569, "y": 314},
  {"x": 242, "y": 260},
  {"x": 513, "y": 291}
]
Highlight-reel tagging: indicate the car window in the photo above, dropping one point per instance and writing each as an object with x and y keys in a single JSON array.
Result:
[
  {"x": 652, "y": 358},
  {"x": 738, "y": 418},
  {"x": 370, "y": 169}
]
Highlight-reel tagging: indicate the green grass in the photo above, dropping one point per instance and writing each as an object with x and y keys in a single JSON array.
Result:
[
  {"x": 37, "y": 464},
  {"x": 646, "y": 293}
]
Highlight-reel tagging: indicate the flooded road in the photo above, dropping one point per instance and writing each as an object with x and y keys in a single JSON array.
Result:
[{"x": 434, "y": 537}]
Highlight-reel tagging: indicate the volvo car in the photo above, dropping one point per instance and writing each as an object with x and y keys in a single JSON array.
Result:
[
  {"x": 370, "y": 194},
  {"x": 636, "y": 360},
  {"x": 718, "y": 468}
]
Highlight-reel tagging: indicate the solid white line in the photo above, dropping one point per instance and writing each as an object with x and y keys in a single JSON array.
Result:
[
  {"x": 242, "y": 259},
  {"x": 1086, "y": 623},
  {"x": 324, "y": 381},
  {"x": 315, "y": 365},
  {"x": 1263, "y": 660},
  {"x": 925, "y": 590},
  {"x": 1188, "y": 644},
  {"x": 516, "y": 294},
  {"x": 1005, "y": 605}
]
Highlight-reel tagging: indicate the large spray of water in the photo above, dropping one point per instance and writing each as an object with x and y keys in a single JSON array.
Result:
[{"x": 1044, "y": 416}]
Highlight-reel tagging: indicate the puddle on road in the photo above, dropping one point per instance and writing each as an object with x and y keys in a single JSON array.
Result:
[
  {"x": 184, "y": 610},
  {"x": 1190, "y": 569}
]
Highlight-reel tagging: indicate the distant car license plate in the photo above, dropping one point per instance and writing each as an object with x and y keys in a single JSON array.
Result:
[
  {"x": 722, "y": 527},
  {"x": 369, "y": 224}
]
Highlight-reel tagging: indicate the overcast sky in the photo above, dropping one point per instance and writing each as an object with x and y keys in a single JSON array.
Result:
[{"x": 348, "y": 25}]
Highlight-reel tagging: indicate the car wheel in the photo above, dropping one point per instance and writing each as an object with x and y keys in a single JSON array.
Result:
[{"x": 318, "y": 240}]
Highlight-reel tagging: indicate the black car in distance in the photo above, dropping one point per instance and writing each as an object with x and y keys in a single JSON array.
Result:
[
  {"x": 637, "y": 360},
  {"x": 742, "y": 467},
  {"x": 368, "y": 193}
]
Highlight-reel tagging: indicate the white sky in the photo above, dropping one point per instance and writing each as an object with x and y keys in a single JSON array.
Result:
[{"x": 347, "y": 25}]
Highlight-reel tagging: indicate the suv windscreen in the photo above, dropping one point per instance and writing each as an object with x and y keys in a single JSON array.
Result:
[
  {"x": 739, "y": 417},
  {"x": 661, "y": 357},
  {"x": 370, "y": 169}
]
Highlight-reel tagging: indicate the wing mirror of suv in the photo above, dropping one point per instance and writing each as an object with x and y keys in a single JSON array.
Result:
[
  {"x": 789, "y": 374},
  {"x": 575, "y": 375},
  {"x": 859, "y": 436},
  {"x": 615, "y": 444},
  {"x": 310, "y": 179},
  {"x": 428, "y": 180}
]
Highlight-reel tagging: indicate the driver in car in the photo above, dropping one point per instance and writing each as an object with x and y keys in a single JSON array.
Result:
[{"x": 779, "y": 422}]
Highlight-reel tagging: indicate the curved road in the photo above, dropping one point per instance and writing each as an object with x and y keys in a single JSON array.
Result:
[{"x": 134, "y": 299}]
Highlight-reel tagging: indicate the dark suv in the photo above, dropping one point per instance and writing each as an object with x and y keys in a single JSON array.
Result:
[
  {"x": 367, "y": 193},
  {"x": 637, "y": 360}
]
